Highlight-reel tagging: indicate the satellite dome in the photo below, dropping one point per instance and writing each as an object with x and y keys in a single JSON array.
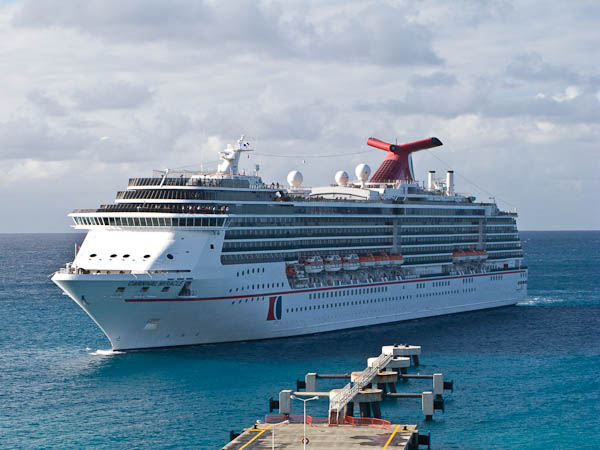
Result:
[
  {"x": 363, "y": 172},
  {"x": 294, "y": 179},
  {"x": 341, "y": 178}
]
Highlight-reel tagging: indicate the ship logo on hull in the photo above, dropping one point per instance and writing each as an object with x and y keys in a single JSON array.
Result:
[{"x": 274, "y": 308}]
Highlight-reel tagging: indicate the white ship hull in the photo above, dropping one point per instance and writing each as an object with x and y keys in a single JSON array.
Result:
[{"x": 134, "y": 320}]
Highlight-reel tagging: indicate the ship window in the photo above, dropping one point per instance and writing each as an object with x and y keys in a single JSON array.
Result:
[
  {"x": 120, "y": 289},
  {"x": 126, "y": 255},
  {"x": 93, "y": 255},
  {"x": 165, "y": 289},
  {"x": 145, "y": 289},
  {"x": 146, "y": 256},
  {"x": 169, "y": 256},
  {"x": 114, "y": 255}
]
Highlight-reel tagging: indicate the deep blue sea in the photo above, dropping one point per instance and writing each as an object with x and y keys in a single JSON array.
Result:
[{"x": 526, "y": 377}]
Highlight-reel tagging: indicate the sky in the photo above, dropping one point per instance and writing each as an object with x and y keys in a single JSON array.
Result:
[{"x": 95, "y": 92}]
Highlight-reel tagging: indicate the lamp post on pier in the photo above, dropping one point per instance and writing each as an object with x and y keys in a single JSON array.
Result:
[{"x": 316, "y": 397}]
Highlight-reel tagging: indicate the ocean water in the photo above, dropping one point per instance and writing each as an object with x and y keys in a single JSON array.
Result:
[{"x": 526, "y": 376}]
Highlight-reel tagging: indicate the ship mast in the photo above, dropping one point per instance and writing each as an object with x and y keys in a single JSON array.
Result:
[{"x": 230, "y": 157}]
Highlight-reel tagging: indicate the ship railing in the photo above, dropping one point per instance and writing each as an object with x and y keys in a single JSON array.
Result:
[{"x": 169, "y": 209}]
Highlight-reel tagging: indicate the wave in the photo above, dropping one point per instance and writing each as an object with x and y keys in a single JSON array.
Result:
[
  {"x": 110, "y": 352},
  {"x": 537, "y": 301}
]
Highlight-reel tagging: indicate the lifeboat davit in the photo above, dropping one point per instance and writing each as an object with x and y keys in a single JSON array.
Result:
[
  {"x": 332, "y": 263},
  {"x": 313, "y": 265},
  {"x": 366, "y": 260},
  {"x": 350, "y": 262},
  {"x": 396, "y": 259}
]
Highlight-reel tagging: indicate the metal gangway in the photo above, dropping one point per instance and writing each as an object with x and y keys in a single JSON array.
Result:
[{"x": 347, "y": 393}]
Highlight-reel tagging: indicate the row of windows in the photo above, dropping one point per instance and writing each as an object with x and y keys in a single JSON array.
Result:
[
  {"x": 247, "y": 272},
  {"x": 127, "y": 255},
  {"x": 313, "y": 232},
  {"x": 435, "y": 294},
  {"x": 151, "y": 221},
  {"x": 120, "y": 290},
  {"x": 281, "y": 245},
  {"x": 496, "y": 277},
  {"x": 349, "y": 303},
  {"x": 344, "y": 293},
  {"x": 257, "y": 286},
  {"x": 263, "y": 221},
  {"x": 194, "y": 194},
  {"x": 468, "y": 280}
]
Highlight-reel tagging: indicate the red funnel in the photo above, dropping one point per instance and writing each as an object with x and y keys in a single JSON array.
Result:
[{"x": 396, "y": 166}]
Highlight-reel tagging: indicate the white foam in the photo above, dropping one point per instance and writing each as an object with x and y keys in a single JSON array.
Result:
[
  {"x": 106, "y": 352},
  {"x": 537, "y": 301}
]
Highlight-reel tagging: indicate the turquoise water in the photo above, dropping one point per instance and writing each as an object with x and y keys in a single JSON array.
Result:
[{"x": 526, "y": 377}]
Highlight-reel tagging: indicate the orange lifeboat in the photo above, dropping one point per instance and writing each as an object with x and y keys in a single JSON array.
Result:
[
  {"x": 459, "y": 256},
  {"x": 290, "y": 270},
  {"x": 332, "y": 263},
  {"x": 385, "y": 259},
  {"x": 350, "y": 262},
  {"x": 396, "y": 259},
  {"x": 366, "y": 260},
  {"x": 313, "y": 265}
]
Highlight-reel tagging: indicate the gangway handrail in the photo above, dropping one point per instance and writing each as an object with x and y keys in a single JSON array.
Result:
[{"x": 348, "y": 392}]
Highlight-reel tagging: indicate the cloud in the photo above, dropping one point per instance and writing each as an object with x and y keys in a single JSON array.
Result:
[
  {"x": 372, "y": 32},
  {"x": 530, "y": 66},
  {"x": 24, "y": 138},
  {"x": 171, "y": 83},
  {"x": 114, "y": 95},
  {"x": 433, "y": 79},
  {"x": 46, "y": 103}
]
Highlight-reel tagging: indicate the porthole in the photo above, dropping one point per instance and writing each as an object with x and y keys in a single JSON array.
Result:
[
  {"x": 93, "y": 255},
  {"x": 169, "y": 256},
  {"x": 146, "y": 256},
  {"x": 126, "y": 256},
  {"x": 114, "y": 255}
]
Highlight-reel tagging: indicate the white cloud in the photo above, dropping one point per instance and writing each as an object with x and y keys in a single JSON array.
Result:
[
  {"x": 171, "y": 83},
  {"x": 571, "y": 92}
]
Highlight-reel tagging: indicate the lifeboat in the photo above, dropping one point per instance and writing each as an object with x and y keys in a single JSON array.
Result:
[
  {"x": 332, "y": 263},
  {"x": 396, "y": 259},
  {"x": 459, "y": 256},
  {"x": 290, "y": 270},
  {"x": 366, "y": 260},
  {"x": 313, "y": 265},
  {"x": 350, "y": 262},
  {"x": 385, "y": 259}
]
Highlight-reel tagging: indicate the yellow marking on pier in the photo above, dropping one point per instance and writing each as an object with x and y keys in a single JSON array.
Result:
[
  {"x": 255, "y": 437},
  {"x": 391, "y": 437}
]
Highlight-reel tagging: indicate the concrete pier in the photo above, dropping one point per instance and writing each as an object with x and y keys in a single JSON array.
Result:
[{"x": 324, "y": 437}]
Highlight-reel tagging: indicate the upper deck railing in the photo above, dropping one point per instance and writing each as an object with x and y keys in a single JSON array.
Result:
[
  {"x": 158, "y": 208},
  {"x": 236, "y": 183}
]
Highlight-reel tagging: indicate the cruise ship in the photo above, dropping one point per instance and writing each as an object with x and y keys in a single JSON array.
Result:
[{"x": 194, "y": 258}]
